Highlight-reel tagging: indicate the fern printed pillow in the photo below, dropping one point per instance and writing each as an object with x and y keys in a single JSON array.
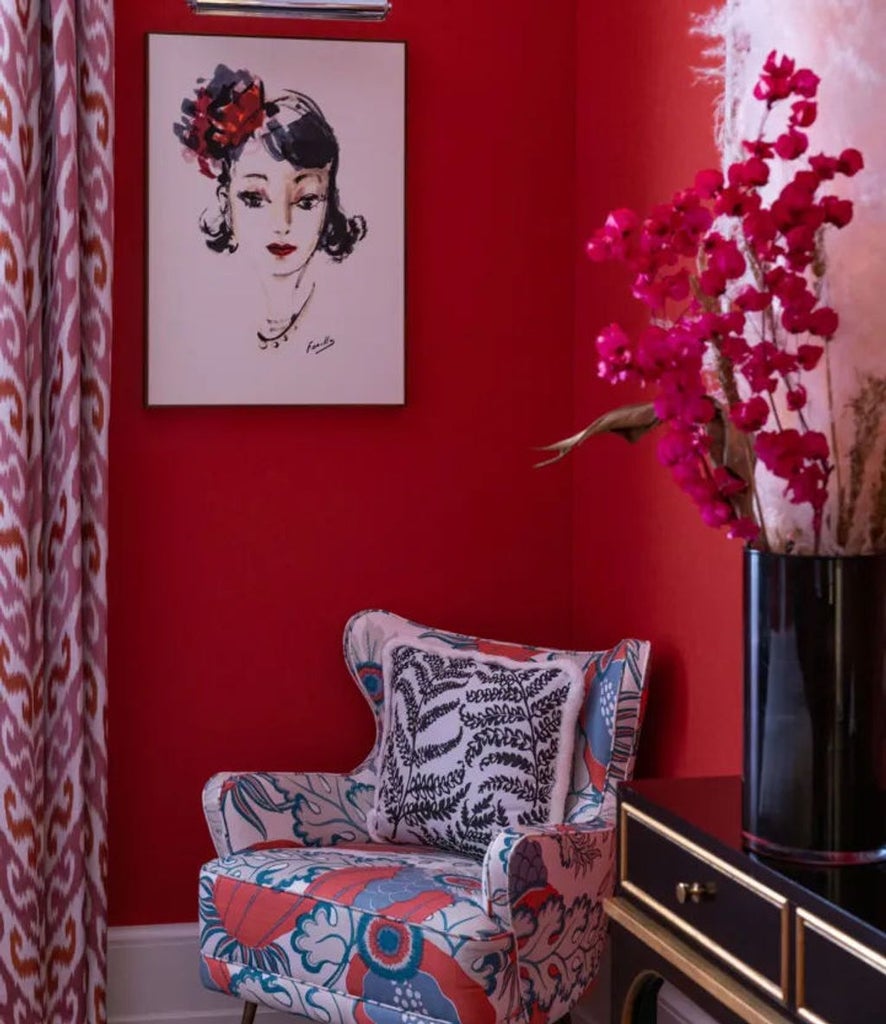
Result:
[{"x": 472, "y": 745}]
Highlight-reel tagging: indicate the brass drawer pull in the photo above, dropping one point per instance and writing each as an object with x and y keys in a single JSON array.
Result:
[{"x": 695, "y": 892}]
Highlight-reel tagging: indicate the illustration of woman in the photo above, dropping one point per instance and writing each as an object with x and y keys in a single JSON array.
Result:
[{"x": 275, "y": 163}]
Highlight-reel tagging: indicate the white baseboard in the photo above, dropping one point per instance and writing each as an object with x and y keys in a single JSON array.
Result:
[{"x": 154, "y": 978}]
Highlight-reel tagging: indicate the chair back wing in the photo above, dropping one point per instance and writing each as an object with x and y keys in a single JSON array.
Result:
[{"x": 608, "y": 726}]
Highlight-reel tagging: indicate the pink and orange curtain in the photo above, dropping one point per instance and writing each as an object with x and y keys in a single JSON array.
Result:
[{"x": 56, "y": 73}]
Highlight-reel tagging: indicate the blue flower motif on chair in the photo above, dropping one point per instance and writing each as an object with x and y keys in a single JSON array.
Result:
[{"x": 324, "y": 939}]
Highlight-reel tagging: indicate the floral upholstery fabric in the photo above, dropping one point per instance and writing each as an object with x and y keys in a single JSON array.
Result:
[
  {"x": 394, "y": 933},
  {"x": 251, "y": 809},
  {"x": 402, "y": 930},
  {"x": 302, "y": 912}
]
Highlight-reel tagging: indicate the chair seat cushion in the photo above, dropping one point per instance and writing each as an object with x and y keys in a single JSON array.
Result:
[{"x": 403, "y": 930}]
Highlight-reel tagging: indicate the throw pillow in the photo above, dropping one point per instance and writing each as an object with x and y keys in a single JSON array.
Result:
[{"x": 471, "y": 745}]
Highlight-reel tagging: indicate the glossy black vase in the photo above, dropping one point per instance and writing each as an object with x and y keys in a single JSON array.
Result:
[{"x": 815, "y": 707}]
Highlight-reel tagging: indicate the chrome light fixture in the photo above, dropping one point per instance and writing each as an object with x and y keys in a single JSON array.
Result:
[{"x": 353, "y": 10}]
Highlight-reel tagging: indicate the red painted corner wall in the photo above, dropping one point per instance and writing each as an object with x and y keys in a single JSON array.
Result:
[
  {"x": 643, "y": 563},
  {"x": 242, "y": 539}
]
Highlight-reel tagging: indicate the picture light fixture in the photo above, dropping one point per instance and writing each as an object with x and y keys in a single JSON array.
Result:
[{"x": 353, "y": 10}]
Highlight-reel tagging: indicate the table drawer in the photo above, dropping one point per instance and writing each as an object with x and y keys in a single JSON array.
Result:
[
  {"x": 839, "y": 980},
  {"x": 731, "y": 915}
]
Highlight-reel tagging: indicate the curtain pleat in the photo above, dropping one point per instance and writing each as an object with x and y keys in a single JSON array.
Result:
[{"x": 56, "y": 81}]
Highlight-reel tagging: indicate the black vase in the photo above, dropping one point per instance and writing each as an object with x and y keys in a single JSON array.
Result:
[{"x": 815, "y": 707}]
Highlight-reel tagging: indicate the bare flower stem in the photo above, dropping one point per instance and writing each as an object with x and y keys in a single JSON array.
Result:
[{"x": 835, "y": 451}]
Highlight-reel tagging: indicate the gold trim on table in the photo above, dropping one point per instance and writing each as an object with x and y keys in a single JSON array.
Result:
[
  {"x": 747, "y": 1006},
  {"x": 747, "y": 881},
  {"x": 809, "y": 922}
]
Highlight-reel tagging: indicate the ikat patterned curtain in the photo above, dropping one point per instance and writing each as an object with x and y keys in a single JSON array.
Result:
[{"x": 56, "y": 68}]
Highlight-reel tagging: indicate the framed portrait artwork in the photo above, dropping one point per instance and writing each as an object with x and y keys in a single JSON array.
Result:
[{"x": 275, "y": 221}]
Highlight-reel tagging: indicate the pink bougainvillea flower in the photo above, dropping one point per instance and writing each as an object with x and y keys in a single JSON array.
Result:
[
  {"x": 760, "y": 231},
  {"x": 679, "y": 444},
  {"x": 752, "y": 300},
  {"x": 735, "y": 348},
  {"x": 792, "y": 289},
  {"x": 808, "y": 485},
  {"x": 725, "y": 257},
  {"x": 599, "y": 247},
  {"x": 776, "y": 81},
  {"x": 805, "y": 83},
  {"x": 808, "y": 356},
  {"x": 678, "y": 285},
  {"x": 734, "y": 320},
  {"x": 753, "y": 172},
  {"x": 622, "y": 221},
  {"x": 791, "y": 144},
  {"x": 712, "y": 282},
  {"x": 796, "y": 398},
  {"x": 650, "y": 291},
  {"x": 733, "y": 201},
  {"x": 614, "y": 239},
  {"x": 759, "y": 147},
  {"x": 779, "y": 451},
  {"x": 759, "y": 368},
  {"x": 686, "y": 405},
  {"x": 796, "y": 198},
  {"x": 850, "y": 162},
  {"x": 751, "y": 415},
  {"x": 824, "y": 322},
  {"x": 787, "y": 453},
  {"x": 716, "y": 513},
  {"x": 803, "y": 113},
  {"x": 743, "y": 529},
  {"x": 616, "y": 358},
  {"x": 837, "y": 211},
  {"x": 796, "y": 320},
  {"x": 731, "y": 285},
  {"x": 655, "y": 353},
  {"x": 824, "y": 166},
  {"x": 814, "y": 445},
  {"x": 729, "y": 483},
  {"x": 708, "y": 183},
  {"x": 800, "y": 240},
  {"x": 778, "y": 68}
]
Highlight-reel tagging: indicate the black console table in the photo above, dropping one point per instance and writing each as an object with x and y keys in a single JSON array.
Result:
[{"x": 751, "y": 941}]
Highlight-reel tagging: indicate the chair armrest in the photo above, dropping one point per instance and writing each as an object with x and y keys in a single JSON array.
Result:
[
  {"x": 571, "y": 860},
  {"x": 546, "y": 886},
  {"x": 249, "y": 810}
]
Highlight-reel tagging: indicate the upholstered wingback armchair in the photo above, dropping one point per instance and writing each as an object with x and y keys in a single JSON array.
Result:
[{"x": 310, "y": 910}]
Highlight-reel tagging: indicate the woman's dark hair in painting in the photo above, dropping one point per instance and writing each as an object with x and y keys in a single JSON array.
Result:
[{"x": 230, "y": 109}]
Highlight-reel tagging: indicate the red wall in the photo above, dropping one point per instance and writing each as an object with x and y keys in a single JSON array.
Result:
[
  {"x": 643, "y": 562},
  {"x": 242, "y": 539}
]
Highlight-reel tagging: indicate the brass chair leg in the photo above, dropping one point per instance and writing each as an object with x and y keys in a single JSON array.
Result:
[{"x": 249, "y": 1013}]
